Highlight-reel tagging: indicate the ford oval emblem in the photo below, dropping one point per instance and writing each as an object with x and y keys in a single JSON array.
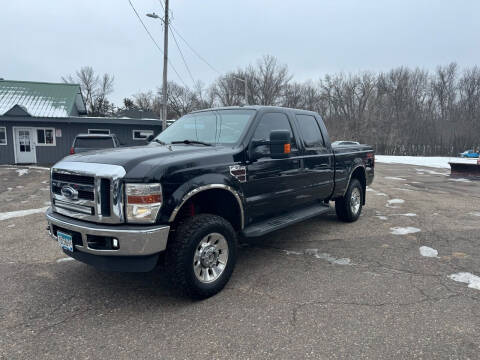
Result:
[{"x": 69, "y": 192}]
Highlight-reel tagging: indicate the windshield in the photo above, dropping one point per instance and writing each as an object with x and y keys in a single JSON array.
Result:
[
  {"x": 213, "y": 127},
  {"x": 94, "y": 143}
]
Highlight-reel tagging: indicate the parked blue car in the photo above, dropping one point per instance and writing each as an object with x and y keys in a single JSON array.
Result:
[{"x": 469, "y": 154}]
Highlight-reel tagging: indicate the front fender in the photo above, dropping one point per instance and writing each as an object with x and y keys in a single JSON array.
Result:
[{"x": 175, "y": 201}]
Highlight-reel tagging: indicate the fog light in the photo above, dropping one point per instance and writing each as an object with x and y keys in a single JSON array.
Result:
[{"x": 115, "y": 243}]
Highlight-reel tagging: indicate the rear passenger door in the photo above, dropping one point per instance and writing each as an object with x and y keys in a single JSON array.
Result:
[
  {"x": 272, "y": 184},
  {"x": 318, "y": 162}
]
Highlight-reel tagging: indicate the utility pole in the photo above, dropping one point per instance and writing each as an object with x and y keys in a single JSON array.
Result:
[
  {"x": 164, "y": 100},
  {"x": 165, "y": 66}
]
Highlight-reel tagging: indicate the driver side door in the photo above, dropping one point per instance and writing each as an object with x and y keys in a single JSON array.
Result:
[{"x": 272, "y": 183}]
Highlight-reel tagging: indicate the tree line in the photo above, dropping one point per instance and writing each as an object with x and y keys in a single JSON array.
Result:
[{"x": 403, "y": 111}]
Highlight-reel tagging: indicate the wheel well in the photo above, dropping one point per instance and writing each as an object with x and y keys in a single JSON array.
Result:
[
  {"x": 359, "y": 174},
  {"x": 214, "y": 201}
]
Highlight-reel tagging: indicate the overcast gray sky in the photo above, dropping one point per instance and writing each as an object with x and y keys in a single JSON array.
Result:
[{"x": 43, "y": 40}]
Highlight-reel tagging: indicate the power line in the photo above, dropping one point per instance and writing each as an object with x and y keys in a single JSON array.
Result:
[
  {"x": 194, "y": 51},
  {"x": 155, "y": 42},
  {"x": 183, "y": 58},
  {"x": 161, "y": 4}
]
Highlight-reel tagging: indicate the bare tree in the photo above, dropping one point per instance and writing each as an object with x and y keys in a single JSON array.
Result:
[
  {"x": 401, "y": 111},
  {"x": 95, "y": 90}
]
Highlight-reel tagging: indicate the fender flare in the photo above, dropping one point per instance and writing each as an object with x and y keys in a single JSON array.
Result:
[
  {"x": 350, "y": 176},
  {"x": 199, "y": 189}
]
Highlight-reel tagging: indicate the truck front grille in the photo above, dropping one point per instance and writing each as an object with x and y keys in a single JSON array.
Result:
[
  {"x": 72, "y": 178},
  {"x": 86, "y": 191}
]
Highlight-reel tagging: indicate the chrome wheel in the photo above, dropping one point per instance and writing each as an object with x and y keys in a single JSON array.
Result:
[
  {"x": 355, "y": 200},
  {"x": 210, "y": 259}
]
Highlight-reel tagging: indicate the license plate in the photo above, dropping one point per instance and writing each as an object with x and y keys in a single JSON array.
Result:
[{"x": 65, "y": 241}]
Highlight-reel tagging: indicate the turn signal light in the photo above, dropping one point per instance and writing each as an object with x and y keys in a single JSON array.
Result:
[
  {"x": 72, "y": 151},
  {"x": 286, "y": 148},
  {"x": 144, "y": 199}
]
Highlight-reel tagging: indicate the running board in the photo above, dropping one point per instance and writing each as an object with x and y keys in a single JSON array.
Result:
[{"x": 279, "y": 222}]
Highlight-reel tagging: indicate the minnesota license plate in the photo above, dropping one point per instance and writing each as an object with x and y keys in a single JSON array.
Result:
[{"x": 65, "y": 241}]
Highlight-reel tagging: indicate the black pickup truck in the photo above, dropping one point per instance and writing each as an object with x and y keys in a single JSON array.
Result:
[{"x": 210, "y": 177}]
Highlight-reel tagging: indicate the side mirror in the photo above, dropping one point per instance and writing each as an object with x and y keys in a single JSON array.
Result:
[
  {"x": 279, "y": 144},
  {"x": 150, "y": 138}
]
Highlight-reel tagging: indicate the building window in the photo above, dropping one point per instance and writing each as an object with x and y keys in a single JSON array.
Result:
[
  {"x": 46, "y": 137},
  {"x": 99, "y": 131},
  {"x": 141, "y": 134},
  {"x": 3, "y": 136}
]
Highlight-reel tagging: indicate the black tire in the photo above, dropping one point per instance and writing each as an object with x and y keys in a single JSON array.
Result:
[
  {"x": 182, "y": 247},
  {"x": 343, "y": 205}
]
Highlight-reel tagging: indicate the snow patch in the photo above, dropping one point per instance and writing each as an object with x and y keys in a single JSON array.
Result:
[
  {"x": 376, "y": 192},
  {"x": 39, "y": 168},
  {"x": 11, "y": 226},
  {"x": 431, "y": 172},
  {"x": 395, "y": 178},
  {"x": 428, "y": 251},
  {"x": 291, "y": 252},
  {"x": 20, "y": 213},
  {"x": 404, "y": 230},
  {"x": 475, "y": 213},
  {"x": 407, "y": 214},
  {"x": 21, "y": 172},
  {"x": 473, "y": 281},
  {"x": 65, "y": 259},
  {"x": 324, "y": 256},
  {"x": 461, "y": 180},
  {"x": 393, "y": 202},
  {"x": 381, "y": 217},
  {"x": 328, "y": 257},
  {"x": 401, "y": 189},
  {"x": 430, "y": 161}
]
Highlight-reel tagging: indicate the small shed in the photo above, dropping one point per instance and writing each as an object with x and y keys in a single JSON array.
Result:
[{"x": 39, "y": 121}]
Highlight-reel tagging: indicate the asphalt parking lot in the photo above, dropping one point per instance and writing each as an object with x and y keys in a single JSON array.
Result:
[{"x": 395, "y": 284}]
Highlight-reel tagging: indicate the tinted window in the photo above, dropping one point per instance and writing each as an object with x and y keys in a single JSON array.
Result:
[
  {"x": 94, "y": 143},
  {"x": 310, "y": 131},
  {"x": 99, "y": 131},
  {"x": 3, "y": 136},
  {"x": 269, "y": 122}
]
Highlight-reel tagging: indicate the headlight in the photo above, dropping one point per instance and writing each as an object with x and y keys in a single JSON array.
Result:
[{"x": 143, "y": 202}]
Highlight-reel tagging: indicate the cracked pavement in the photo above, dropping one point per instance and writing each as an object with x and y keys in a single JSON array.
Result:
[{"x": 288, "y": 298}]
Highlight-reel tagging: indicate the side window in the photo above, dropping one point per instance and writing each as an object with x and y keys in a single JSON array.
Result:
[
  {"x": 310, "y": 131},
  {"x": 45, "y": 137},
  {"x": 3, "y": 136},
  {"x": 269, "y": 122},
  {"x": 272, "y": 121},
  {"x": 141, "y": 134}
]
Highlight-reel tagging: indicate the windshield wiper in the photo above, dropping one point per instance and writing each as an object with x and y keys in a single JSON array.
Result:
[
  {"x": 187, "y": 141},
  {"x": 160, "y": 142}
]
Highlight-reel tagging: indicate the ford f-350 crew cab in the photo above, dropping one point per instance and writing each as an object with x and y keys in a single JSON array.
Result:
[{"x": 210, "y": 177}]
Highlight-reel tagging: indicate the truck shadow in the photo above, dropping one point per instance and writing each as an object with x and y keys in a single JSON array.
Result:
[{"x": 94, "y": 288}]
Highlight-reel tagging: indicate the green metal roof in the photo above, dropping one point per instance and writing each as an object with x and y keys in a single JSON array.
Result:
[{"x": 41, "y": 99}]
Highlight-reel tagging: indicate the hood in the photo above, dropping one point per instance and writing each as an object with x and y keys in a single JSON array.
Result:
[{"x": 145, "y": 161}]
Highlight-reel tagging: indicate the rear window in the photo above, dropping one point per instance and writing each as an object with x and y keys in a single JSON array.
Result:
[{"x": 94, "y": 143}]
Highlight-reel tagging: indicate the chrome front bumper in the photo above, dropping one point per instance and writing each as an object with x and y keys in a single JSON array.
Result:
[{"x": 134, "y": 240}]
